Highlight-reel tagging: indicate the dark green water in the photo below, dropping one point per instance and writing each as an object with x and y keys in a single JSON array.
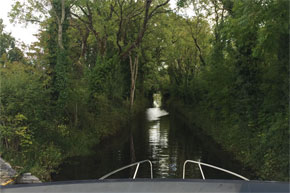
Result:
[{"x": 166, "y": 141}]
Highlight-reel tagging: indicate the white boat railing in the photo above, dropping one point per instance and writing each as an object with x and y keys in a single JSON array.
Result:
[
  {"x": 128, "y": 166},
  {"x": 211, "y": 166}
]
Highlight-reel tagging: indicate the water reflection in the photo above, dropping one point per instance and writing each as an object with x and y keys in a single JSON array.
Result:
[
  {"x": 154, "y": 114},
  {"x": 162, "y": 138},
  {"x": 158, "y": 142}
]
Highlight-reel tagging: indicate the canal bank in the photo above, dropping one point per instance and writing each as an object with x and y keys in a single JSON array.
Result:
[
  {"x": 197, "y": 121},
  {"x": 10, "y": 176},
  {"x": 7, "y": 173},
  {"x": 163, "y": 138}
]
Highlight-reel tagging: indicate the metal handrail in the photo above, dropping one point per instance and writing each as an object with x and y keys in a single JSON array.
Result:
[
  {"x": 211, "y": 166},
  {"x": 128, "y": 166}
]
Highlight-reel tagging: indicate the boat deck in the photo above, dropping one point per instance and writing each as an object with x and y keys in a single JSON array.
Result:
[{"x": 149, "y": 185}]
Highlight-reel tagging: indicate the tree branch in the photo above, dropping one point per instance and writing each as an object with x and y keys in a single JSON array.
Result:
[
  {"x": 62, "y": 11},
  {"x": 147, "y": 16},
  {"x": 196, "y": 45},
  {"x": 157, "y": 7},
  {"x": 82, "y": 20},
  {"x": 82, "y": 9}
]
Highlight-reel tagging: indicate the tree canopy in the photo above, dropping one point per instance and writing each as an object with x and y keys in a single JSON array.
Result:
[{"x": 97, "y": 63}]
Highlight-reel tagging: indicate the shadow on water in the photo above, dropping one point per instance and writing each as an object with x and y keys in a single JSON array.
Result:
[{"x": 164, "y": 139}]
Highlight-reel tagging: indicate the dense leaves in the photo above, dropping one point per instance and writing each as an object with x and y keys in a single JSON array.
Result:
[
  {"x": 241, "y": 96},
  {"x": 97, "y": 63}
]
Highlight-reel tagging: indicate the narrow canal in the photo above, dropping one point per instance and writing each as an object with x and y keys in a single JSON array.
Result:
[{"x": 163, "y": 138}]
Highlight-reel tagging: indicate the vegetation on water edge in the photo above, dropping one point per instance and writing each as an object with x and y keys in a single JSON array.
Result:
[
  {"x": 241, "y": 96},
  {"x": 96, "y": 63},
  {"x": 37, "y": 135}
]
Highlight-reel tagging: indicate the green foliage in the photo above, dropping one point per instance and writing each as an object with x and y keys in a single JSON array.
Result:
[
  {"x": 241, "y": 96},
  {"x": 106, "y": 78},
  {"x": 59, "y": 107},
  {"x": 46, "y": 161},
  {"x": 227, "y": 67},
  {"x": 15, "y": 54},
  {"x": 8, "y": 51},
  {"x": 14, "y": 132},
  {"x": 24, "y": 105}
]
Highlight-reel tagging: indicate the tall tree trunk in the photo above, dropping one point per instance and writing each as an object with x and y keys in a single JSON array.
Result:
[
  {"x": 134, "y": 73},
  {"x": 60, "y": 44},
  {"x": 60, "y": 21}
]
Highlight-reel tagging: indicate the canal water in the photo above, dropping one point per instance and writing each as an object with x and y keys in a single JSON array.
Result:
[{"x": 163, "y": 138}]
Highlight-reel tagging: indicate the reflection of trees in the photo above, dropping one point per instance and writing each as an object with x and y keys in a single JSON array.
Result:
[
  {"x": 132, "y": 148},
  {"x": 132, "y": 152}
]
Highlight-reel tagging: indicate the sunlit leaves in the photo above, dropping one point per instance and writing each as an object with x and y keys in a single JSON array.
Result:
[
  {"x": 33, "y": 11},
  {"x": 7, "y": 42}
]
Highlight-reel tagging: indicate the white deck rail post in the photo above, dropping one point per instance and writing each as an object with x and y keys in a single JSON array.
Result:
[
  {"x": 128, "y": 166},
  {"x": 211, "y": 166}
]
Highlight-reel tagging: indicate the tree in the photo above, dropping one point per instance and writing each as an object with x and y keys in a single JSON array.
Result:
[
  {"x": 240, "y": 96},
  {"x": 131, "y": 44},
  {"x": 7, "y": 42}
]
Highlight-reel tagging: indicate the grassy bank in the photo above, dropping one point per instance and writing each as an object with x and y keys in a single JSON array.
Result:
[{"x": 267, "y": 159}]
